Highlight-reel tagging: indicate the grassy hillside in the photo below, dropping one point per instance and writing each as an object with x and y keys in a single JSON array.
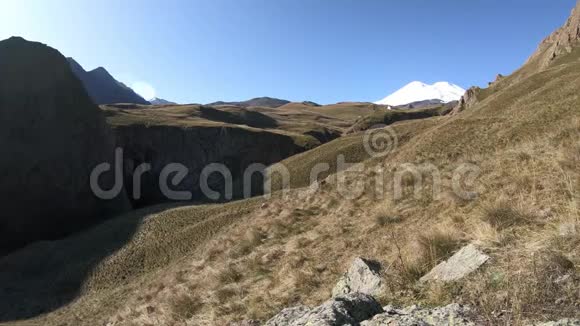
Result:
[
  {"x": 351, "y": 147},
  {"x": 523, "y": 140},
  {"x": 388, "y": 117},
  {"x": 212, "y": 264},
  {"x": 100, "y": 268}
]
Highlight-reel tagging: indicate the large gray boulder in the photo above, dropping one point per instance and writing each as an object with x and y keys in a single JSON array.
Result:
[
  {"x": 350, "y": 309},
  {"x": 451, "y": 315},
  {"x": 51, "y": 138},
  {"x": 362, "y": 276},
  {"x": 461, "y": 264}
]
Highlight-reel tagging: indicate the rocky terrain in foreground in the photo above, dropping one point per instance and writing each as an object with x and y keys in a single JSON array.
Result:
[
  {"x": 353, "y": 303},
  {"x": 470, "y": 218}
]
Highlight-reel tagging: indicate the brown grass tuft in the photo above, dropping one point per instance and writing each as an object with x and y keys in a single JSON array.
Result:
[
  {"x": 504, "y": 216},
  {"x": 437, "y": 245},
  {"x": 384, "y": 217},
  {"x": 229, "y": 274},
  {"x": 185, "y": 306}
]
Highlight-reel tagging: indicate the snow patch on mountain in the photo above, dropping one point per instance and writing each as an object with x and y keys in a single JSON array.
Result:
[{"x": 418, "y": 91}]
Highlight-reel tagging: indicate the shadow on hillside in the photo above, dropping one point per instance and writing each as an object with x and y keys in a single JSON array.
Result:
[
  {"x": 47, "y": 275},
  {"x": 240, "y": 117}
]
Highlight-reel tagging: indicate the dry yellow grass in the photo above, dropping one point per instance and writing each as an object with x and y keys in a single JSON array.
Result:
[
  {"x": 210, "y": 265},
  {"x": 526, "y": 153}
]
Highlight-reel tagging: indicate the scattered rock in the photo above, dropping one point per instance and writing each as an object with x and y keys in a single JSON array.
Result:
[
  {"x": 350, "y": 309},
  {"x": 362, "y": 276},
  {"x": 467, "y": 100},
  {"x": 357, "y": 308},
  {"x": 453, "y": 314},
  {"x": 288, "y": 315},
  {"x": 464, "y": 262},
  {"x": 498, "y": 77}
]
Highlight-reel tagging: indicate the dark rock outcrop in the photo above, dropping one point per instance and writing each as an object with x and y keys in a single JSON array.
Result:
[
  {"x": 196, "y": 147},
  {"x": 51, "y": 136},
  {"x": 103, "y": 88},
  {"x": 451, "y": 315},
  {"x": 560, "y": 42},
  {"x": 310, "y": 103},
  {"x": 469, "y": 99}
]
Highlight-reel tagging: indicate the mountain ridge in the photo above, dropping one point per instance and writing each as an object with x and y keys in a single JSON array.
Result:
[
  {"x": 562, "y": 41},
  {"x": 265, "y": 101},
  {"x": 103, "y": 88},
  {"x": 160, "y": 101}
]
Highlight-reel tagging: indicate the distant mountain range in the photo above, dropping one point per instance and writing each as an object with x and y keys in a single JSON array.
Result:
[
  {"x": 160, "y": 101},
  {"x": 268, "y": 102},
  {"x": 103, "y": 88},
  {"x": 418, "y": 91}
]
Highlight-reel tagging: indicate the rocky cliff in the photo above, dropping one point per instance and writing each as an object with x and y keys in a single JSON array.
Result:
[
  {"x": 51, "y": 136},
  {"x": 195, "y": 147},
  {"x": 562, "y": 41},
  {"x": 468, "y": 100}
]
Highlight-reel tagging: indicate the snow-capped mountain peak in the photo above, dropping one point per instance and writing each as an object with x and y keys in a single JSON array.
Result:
[{"x": 419, "y": 91}]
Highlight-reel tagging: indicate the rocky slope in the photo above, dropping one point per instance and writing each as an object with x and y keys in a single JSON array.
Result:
[
  {"x": 104, "y": 88},
  {"x": 354, "y": 304},
  {"x": 521, "y": 140},
  {"x": 562, "y": 41},
  {"x": 51, "y": 136}
]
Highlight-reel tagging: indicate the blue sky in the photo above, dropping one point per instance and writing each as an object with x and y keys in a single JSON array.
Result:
[{"x": 199, "y": 51}]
